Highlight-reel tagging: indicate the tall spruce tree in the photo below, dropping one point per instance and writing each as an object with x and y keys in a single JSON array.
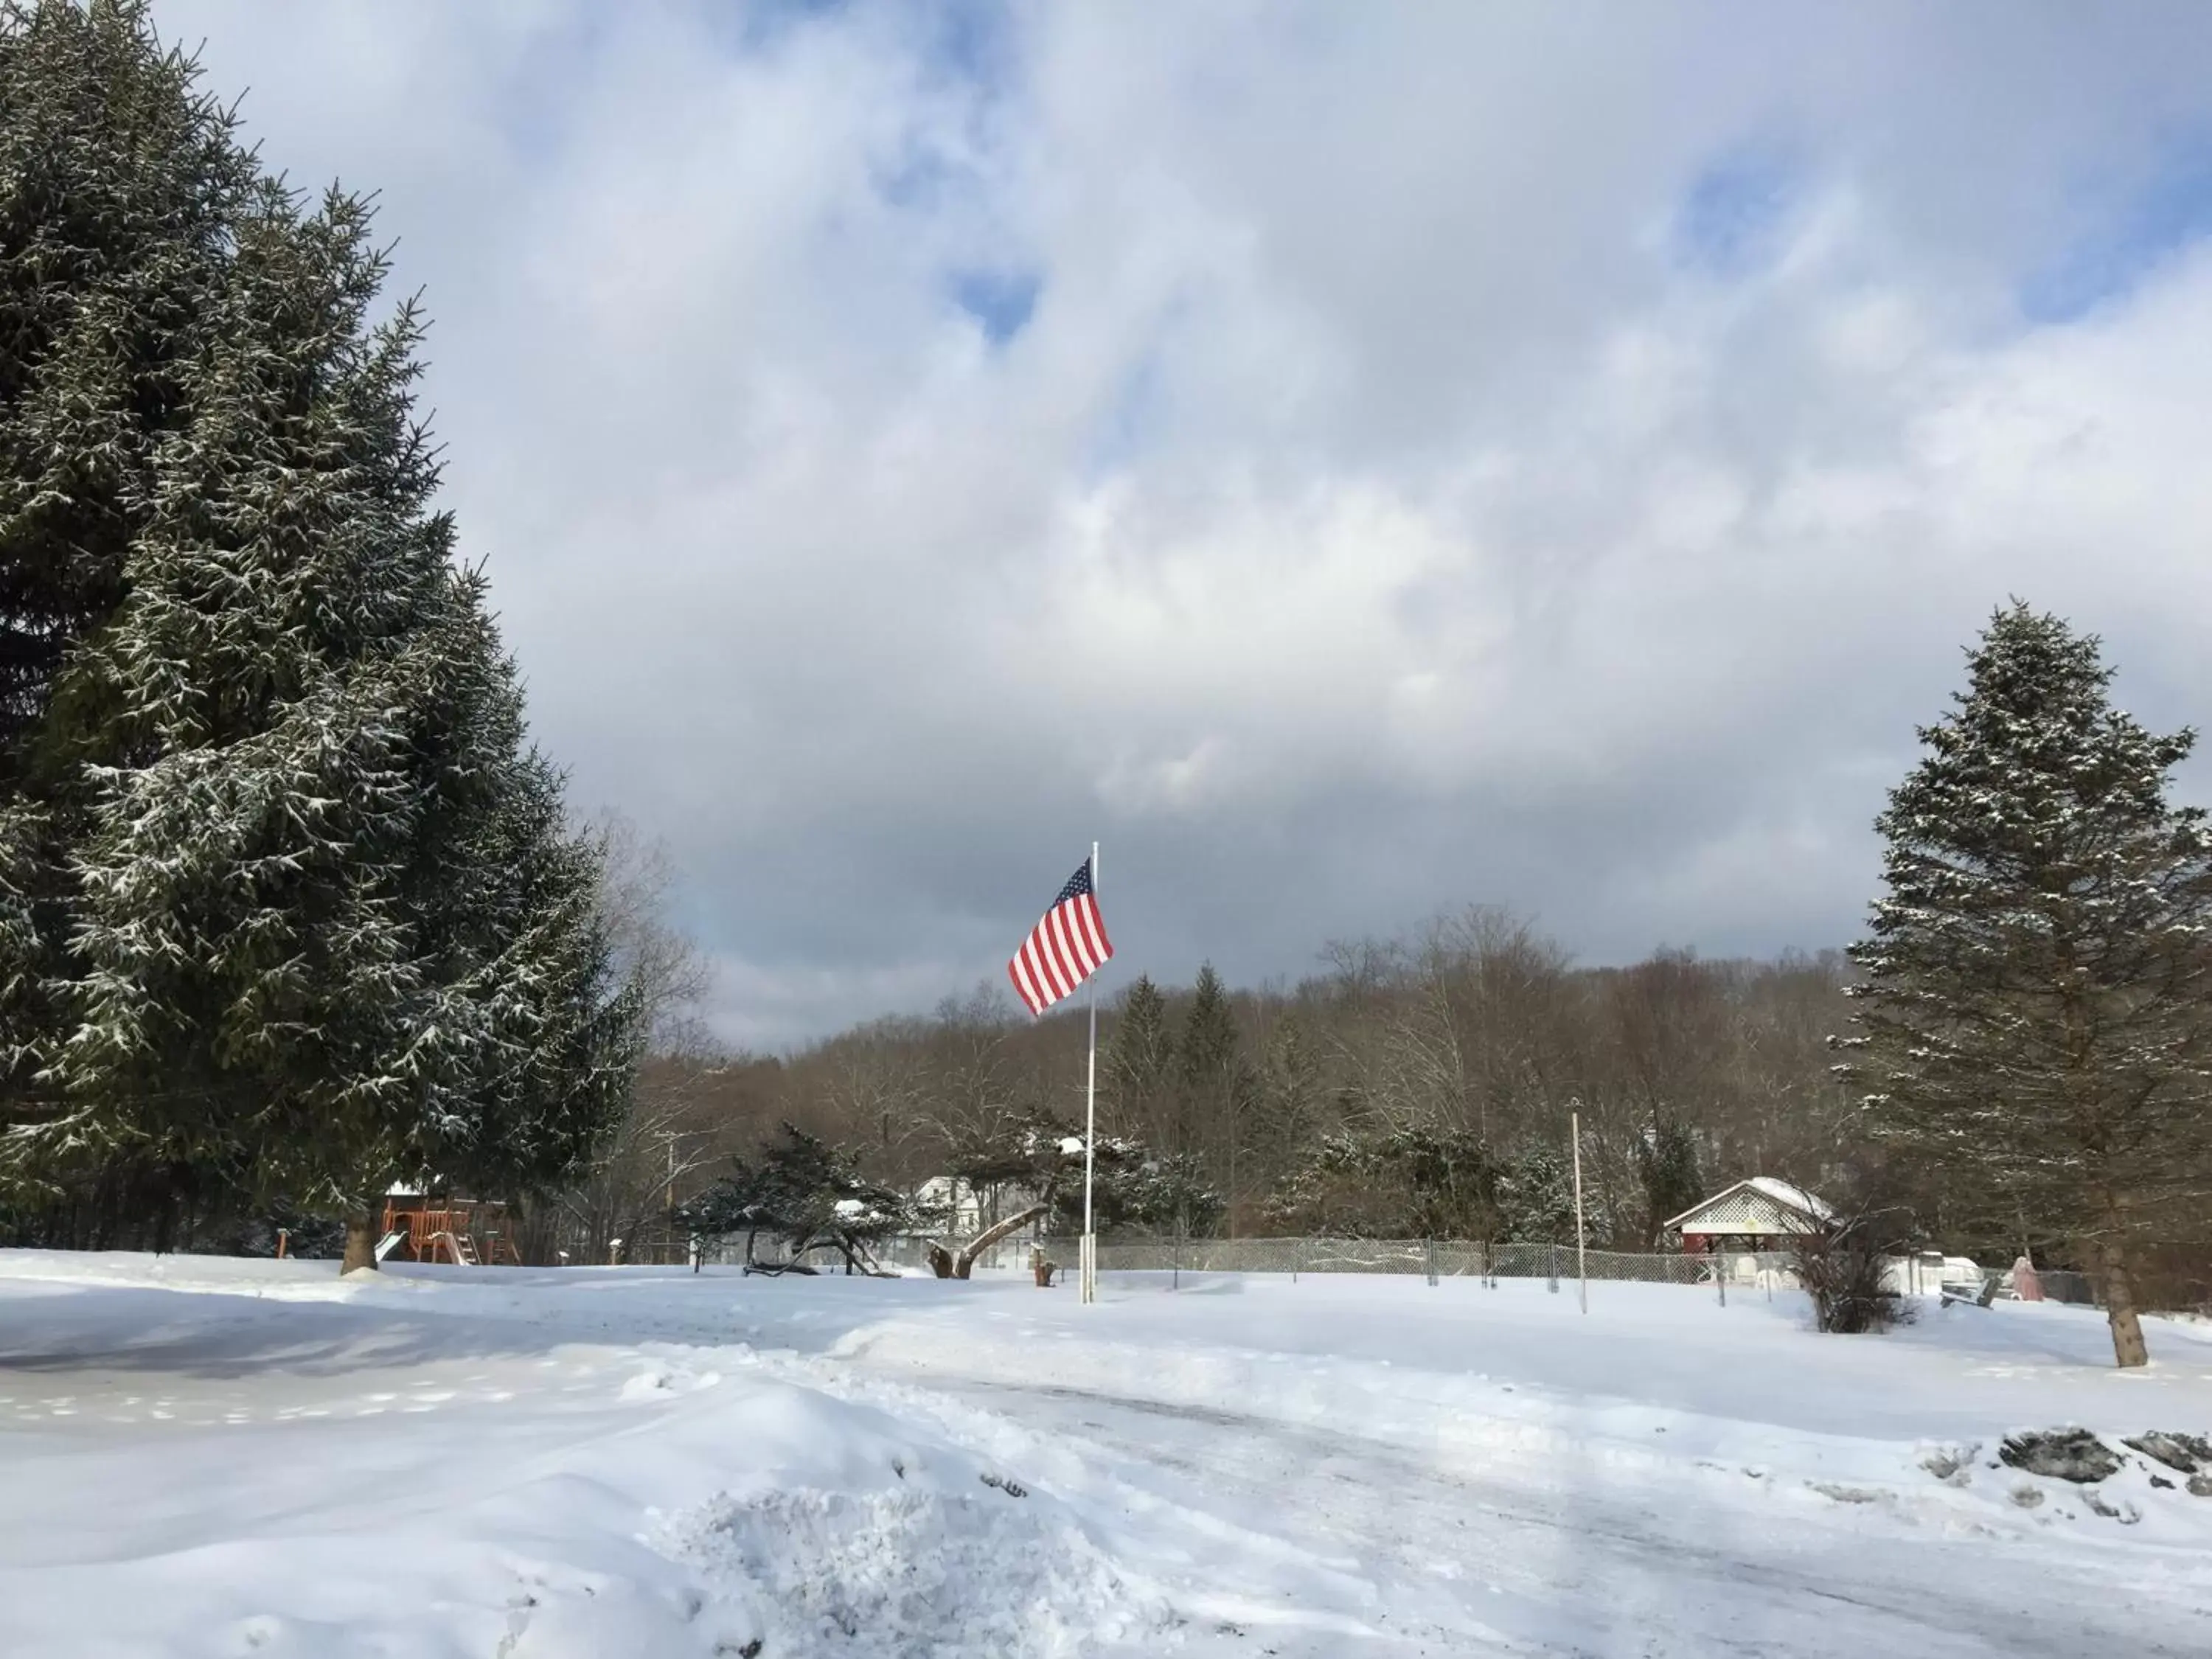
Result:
[
  {"x": 1288, "y": 1090},
  {"x": 1139, "y": 1058},
  {"x": 1667, "y": 1168},
  {"x": 119, "y": 184},
  {"x": 2033, "y": 1016},
  {"x": 1217, "y": 1085},
  {"x": 287, "y": 904}
]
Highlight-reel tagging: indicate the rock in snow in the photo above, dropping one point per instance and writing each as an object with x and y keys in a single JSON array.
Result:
[
  {"x": 2187, "y": 1453},
  {"x": 2072, "y": 1454}
]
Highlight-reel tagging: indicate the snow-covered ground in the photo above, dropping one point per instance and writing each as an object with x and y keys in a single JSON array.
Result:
[{"x": 215, "y": 1457}]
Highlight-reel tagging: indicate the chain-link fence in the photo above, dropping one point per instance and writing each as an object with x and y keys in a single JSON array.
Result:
[
  {"x": 1437, "y": 1258},
  {"x": 1440, "y": 1259}
]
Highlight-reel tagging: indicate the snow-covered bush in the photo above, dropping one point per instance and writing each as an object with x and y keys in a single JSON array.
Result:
[{"x": 805, "y": 1193}]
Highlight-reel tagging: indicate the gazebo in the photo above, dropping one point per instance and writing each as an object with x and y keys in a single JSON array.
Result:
[{"x": 1759, "y": 1213}]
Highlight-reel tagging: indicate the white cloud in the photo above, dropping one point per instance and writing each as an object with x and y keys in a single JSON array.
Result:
[{"x": 1378, "y": 510}]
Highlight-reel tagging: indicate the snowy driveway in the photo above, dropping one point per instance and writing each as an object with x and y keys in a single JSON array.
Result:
[
  {"x": 1400, "y": 1556},
  {"x": 230, "y": 1458}
]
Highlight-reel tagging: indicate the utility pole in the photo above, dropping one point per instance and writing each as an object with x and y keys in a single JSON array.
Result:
[
  {"x": 1582, "y": 1241},
  {"x": 668, "y": 1195}
]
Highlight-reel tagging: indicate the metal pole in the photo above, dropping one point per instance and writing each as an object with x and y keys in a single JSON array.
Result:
[
  {"x": 1090, "y": 1252},
  {"x": 1582, "y": 1243}
]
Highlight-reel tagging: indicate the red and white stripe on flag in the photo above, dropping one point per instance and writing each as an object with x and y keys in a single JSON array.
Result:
[{"x": 1065, "y": 949}]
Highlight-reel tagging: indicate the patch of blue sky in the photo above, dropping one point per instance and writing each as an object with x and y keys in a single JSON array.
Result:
[
  {"x": 532, "y": 99},
  {"x": 1730, "y": 219},
  {"x": 1001, "y": 301},
  {"x": 969, "y": 40},
  {"x": 965, "y": 40},
  {"x": 2126, "y": 232},
  {"x": 921, "y": 178},
  {"x": 1118, "y": 436},
  {"x": 763, "y": 25}
]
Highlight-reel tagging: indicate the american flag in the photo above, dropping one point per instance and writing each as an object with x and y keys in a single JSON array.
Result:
[{"x": 1065, "y": 949}]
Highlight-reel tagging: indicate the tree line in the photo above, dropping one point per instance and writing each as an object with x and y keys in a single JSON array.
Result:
[{"x": 1421, "y": 1086}]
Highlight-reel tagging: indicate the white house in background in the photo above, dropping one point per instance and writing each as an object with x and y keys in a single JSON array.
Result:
[
  {"x": 1760, "y": 1214},
  {"x": 958, "y": 1203},
  {"x": 965, "y": 1209}
]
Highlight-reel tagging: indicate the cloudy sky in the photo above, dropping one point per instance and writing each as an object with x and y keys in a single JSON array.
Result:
[{"x": 1351, "y": 460}]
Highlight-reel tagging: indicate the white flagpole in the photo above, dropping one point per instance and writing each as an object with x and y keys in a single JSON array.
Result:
[{"x": 1087, "y": 1270}]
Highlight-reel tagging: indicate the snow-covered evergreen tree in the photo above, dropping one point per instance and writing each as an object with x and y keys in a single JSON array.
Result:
[
  {"x": 1038, "y": 1159},
  {"x": 1288, "y": 1091},
  {"x": 1536, "y": 1195},
  {"x": 1397, "y": 1182},
  {"x": 19, "y": 958},
  {"x": 2035, "y": 1019},
  {"x": 317, "y": 918},
  {"x": 1666, "y": 1169},
  {"x": 1139, "y": 1064},
  {"x": 805, "y": 1193},
  {"x": 1206, "y": 1049},
  {"x": 1218, "y": 1091},
  {"x": 118, "y": 185}
]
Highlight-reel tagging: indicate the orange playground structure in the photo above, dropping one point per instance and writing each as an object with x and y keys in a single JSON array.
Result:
[{"x": 466, "y": 1231}]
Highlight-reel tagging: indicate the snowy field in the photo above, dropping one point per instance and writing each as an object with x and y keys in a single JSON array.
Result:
[{"x": 215, "y": 1457}]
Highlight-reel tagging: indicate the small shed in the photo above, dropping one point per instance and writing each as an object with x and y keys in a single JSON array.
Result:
[{"x": 1759, "y": 1213}]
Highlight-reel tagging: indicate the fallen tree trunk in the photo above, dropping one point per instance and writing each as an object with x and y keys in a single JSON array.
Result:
[
  {"x": 776, "y": 1269},
  {"x": 854, "y": 1251},
  {"x": 961, "y": 1263}
]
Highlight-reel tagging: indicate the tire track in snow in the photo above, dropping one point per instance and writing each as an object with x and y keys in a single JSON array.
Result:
[{"x": 1620, "y": 1578}]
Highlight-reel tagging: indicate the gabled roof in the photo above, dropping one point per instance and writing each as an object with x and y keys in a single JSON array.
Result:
[
  {"x": 1796, "y": 1197},
  {"x": 1759, "y": 1204}
]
